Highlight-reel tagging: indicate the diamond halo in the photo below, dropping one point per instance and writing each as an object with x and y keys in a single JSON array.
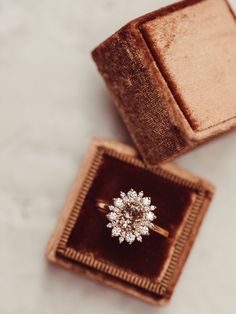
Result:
[{"x": 131, "y": 216}]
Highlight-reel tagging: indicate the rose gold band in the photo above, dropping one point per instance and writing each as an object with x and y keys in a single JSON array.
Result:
[
  {"x": 102, "y": 206},
  {"x": 160, "y": 230}
]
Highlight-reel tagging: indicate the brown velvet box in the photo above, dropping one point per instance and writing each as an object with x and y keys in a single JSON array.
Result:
[
  {"x": 172, "y": 74},
  {"x": 148, "y": 270}
]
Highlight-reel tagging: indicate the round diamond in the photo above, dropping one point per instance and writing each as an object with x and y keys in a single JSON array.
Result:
[
  {"x": 116, "y": 231},
  {"x": 132, "y": 194},
  {"x": 130, "y": 237},
  {"x": 146, "y": 201},
  {"x": 118, "y": 202},
  {"x": 144, "y": 230},
  {"x": 150, "y": 216},
  {"x": 112, "y": 216}
]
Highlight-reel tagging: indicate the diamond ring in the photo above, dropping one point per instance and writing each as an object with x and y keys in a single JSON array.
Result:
[{"x": 131, "y": 217}]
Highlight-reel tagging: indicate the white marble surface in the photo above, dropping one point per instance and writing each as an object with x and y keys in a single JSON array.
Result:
[{"x": 52, "y": 103}]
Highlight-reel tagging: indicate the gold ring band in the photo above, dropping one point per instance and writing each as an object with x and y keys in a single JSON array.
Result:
[
  {"x": 103, "y": 207},
  {"x": 122, "y": 212}
]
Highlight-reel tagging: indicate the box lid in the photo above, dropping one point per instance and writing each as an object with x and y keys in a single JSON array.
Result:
[
  {"x": 192, "y": 63},
  {"x": 172, "y": 74}
]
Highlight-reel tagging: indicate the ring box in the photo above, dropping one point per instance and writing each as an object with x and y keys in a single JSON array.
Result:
[
  {"x": 172, "y": 75},
  {"x": 148, "y": 270}
]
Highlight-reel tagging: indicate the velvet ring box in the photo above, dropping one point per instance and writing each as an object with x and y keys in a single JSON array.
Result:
[
  {"x": 172, "y": 75},
  {"x": 148, "y": 270}
]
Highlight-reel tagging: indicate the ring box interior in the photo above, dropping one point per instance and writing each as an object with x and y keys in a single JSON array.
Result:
[
  {"x": 148, "y": 270},
  {"x": 172, "y": 75}
]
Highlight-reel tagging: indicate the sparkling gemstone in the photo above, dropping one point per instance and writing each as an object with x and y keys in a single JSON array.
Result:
[
  {"x": 140, "y": 194},
  {"x": 144, "y": 230},
  {"x": 118, "y": 202},
  {"x": 146, "y": 201},
  {"x": 121, "y": 239},
  {"x": 132, "y": 194},
  {"x": 112, "y": 216},
  {"x": 150, "y": 216},
  {"x": 131, "y": 216},
  {"x": 130, "y": 237},
  {"x": 139, "y": 238},
  {"x": 116, "y": 231}
]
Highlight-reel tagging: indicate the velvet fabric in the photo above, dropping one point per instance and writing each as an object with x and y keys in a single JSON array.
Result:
[
  {"x": 172, "y": 75},
  {"x": 147, "y": 270},
  {"x": 90, "y": 233},
  {"x": 190, "y": 58}
]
